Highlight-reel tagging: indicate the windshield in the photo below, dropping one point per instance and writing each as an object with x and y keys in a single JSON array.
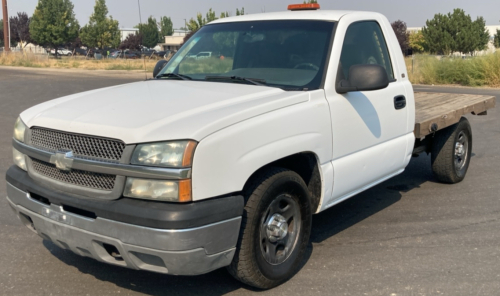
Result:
[{"x": 290, "y": 54}]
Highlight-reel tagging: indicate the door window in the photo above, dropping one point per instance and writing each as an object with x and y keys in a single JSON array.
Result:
[{"x": 364, "y": 43}]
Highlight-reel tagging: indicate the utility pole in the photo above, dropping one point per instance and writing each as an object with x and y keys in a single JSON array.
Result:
[{"x": 6, "y": 26}]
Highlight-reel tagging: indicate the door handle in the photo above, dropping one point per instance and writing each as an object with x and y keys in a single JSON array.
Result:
[{"x": 399, "y": 102}]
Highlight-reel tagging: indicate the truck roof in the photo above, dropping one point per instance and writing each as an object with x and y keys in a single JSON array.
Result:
[{"x": 327, "y": 15}]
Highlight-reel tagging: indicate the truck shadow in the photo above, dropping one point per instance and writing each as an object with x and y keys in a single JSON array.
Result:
[
  {"x": 356, "y": 209},
  {"x": 219, "y": 282}
]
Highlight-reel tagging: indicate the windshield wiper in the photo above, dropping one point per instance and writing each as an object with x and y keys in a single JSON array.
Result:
[
  {"x": 254, "y": 81},
  {"x": 183, "y": 77}
]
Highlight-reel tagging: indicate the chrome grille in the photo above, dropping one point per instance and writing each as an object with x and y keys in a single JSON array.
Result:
[
  {"x": 75, "y": 177},
  {"x": 81, "y": 145}
]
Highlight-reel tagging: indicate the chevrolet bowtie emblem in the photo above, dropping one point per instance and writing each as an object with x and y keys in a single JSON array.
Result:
[{"x": 63, "y": 159}]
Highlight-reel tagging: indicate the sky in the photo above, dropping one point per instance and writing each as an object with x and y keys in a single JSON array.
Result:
[{"x": 414, "y": 13}]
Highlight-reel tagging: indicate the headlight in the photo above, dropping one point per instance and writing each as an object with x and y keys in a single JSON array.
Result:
[
  {"x": 19, "y": 159},
  {"x": 19, "y": 129},
  {"x": 161, "y": 190},
  {"x": 166, "y": 154}
]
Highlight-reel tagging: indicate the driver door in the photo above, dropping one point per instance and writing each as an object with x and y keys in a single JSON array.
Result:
[{"x": 369, "y": 133}]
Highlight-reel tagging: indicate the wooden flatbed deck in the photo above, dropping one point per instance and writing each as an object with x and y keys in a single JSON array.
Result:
[{"x": 444, "y": 110}]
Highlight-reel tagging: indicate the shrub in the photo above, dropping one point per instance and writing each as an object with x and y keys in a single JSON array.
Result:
[{"x": 471, "y": 71}]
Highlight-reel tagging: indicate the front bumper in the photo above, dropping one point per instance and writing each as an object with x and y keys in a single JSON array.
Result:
[{"x": 188, "y": 251}]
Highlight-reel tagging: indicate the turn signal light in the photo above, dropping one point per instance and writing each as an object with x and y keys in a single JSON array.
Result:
[
  {"x": 310, "y": 6},
  {"x": 185, "y": 191}
]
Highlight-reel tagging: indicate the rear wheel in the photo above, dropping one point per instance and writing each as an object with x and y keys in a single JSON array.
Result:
[
  {"x": 451, "y": 152},
  {"x": 275, "y": 229}
]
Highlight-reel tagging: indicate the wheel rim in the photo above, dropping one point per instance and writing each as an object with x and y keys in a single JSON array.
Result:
[
  {"x": 279, "y": 229},
  {"x": 461, "y": 151}
]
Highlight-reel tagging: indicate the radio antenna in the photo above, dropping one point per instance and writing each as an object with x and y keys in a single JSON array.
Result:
[{"x": 140, "y": 24}]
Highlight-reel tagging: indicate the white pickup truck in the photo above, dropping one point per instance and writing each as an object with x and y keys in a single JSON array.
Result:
[{"x": 221, "y": 162}]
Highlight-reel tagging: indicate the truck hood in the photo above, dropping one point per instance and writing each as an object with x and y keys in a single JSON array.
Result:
[{"x": 159, "y": 110}]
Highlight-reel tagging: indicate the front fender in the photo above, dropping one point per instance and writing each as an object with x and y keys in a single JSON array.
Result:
[{"x": 225, "y": 160}]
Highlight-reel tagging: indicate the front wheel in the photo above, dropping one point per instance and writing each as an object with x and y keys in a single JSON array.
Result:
[
  {"x": 451, "y": 152},
  {"x": 275, "y": 229}
]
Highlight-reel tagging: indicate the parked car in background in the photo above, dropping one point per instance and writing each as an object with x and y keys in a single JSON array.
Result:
[
  {"x": 114, "y": 54},
  {"x": 90, "y": 53},
  {"x": 131, "y": 55},
  {"x": 80, "y": 52},
  {"x": 125, "y": 54},
  {"x": 148, "y": 53},
  {"x": 108, "y": 51},
  {"x": 62, "y": 51},
  {"x": 203, "y": 55},
  {"x": 160, "y": 54}
]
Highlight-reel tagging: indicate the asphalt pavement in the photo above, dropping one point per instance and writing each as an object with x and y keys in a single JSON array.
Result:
[{"x": 407, "y": 236}]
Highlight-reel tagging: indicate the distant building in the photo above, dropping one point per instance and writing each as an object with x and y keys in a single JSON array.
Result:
[
  {"x": 175, "y": 41},
  {"x": 492, "y": 30},
  {"x": 413, "y": 30},
  {"x": 124, "y": 32}
]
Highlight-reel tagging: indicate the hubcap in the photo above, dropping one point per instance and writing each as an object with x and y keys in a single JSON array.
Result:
[
  {"x": 461, "y": 151},
  {"x": 280, "y": 228},
  {"x": 276, "y": 228}
]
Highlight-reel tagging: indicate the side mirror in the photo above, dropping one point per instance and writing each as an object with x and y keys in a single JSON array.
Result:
[
  {"x": 364, "y": 78},
  {"x": 159, "y": 66}
]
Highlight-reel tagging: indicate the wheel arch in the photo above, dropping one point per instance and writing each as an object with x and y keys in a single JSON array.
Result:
[{"x": 306, "y": 165}]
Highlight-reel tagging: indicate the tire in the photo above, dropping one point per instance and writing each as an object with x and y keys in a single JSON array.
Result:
[
  {"x": 451, "y": 152},
  {"x": 264, "y": 259}
]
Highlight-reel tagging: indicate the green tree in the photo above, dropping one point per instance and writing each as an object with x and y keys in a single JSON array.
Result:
[
  {"x": 496, "y": 39},
  {"x": 210, "y": 16},
  {"x": 416, "y": 42},
  {"x": 310, "y": 2},
  {"x": 481, "y": 34},
  {"x": 166, "y": 27},
  {"x": 469, "y": 36},
  {"x": 438, "y": 36},
  {"x": 455, "y": 32},
  {"x": 149, "y": 32},
  {"x": 195, "y": 24},
  {"x": 101, "y": 31},
  {"x": 54, "y": 23},
  {"x": 460, "y": 29}
]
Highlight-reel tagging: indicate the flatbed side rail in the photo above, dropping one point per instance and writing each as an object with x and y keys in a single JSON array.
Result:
[{"x": 436, "y": 111}]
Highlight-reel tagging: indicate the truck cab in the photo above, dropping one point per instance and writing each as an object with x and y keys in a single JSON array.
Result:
[{"x": 222, "y": 161}]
